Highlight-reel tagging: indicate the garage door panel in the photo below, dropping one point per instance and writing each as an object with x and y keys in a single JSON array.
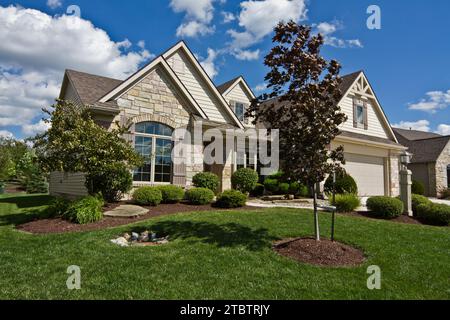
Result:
[{"x": 368, "y": 173}]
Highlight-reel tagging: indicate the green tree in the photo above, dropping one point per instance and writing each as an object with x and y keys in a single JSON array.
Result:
[
  {"x": 306, "y": 86},
  {"x": 11, "y": 151}
]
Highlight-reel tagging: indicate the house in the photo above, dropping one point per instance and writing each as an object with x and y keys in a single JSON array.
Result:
[
  {"x": 430, "y": 162},
  {"x": 173, "y": 91},
  {"x": 371, "y": 148}
]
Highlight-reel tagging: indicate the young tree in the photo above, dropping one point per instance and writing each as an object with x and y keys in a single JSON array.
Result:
[
  {"x": 75, "y": 143},
  {"x": 304, "y": 106}
]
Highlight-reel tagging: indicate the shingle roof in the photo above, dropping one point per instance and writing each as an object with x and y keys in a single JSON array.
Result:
[
  {"x": 224, "y": 86},
  {"x": 367, "y": 137},
  {"x": 414, "y": 134},
  {"x": 89, "y": 87}
]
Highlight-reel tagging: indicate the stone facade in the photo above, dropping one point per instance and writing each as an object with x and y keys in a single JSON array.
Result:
[
  {"x": 394, "y": 170},
  {"x": 441, "y": 180}
]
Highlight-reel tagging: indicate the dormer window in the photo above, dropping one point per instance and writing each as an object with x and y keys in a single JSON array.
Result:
[
  {"x": 239, "y": 110},
  {"x": 360, "y": 114}
]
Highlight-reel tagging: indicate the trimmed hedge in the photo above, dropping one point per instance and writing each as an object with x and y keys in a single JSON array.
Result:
[
  {"x": 417, "y": 200},
  {"x": 200, "y": 196},
  {"x": 271, "y": 185},
  {"x": 171, "y": 194},
  {"x": 244, "y": 180},
  {"x": 206, "y": 180},
  {"x": 346, "y": 202},
  {"x": 231, "y": 199},
  {"x": 283, "y": 188},
  {"x": 418, "y": 188},
  {"x": 258, "y": 191},
  {"x": 434, "y": 214},
  {"x": 298, "y": 189},
  {"x": 147, "y": 196},
  {"x": 385, "y": 207},
  {"x": 85, "y": 210},
  {"x": 344, "y": 184}
]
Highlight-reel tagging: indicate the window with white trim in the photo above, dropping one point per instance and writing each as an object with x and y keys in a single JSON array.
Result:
[
  {"x": 360, "y": 114},
  {"x": 239, "y": 110}
]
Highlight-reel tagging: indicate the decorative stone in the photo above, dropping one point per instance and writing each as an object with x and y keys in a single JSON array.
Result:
[
  {"x": 120, "y": 242},
  {"x": 127, "y": 236},
  {"x": 143, "y": 237},
  {"x": 134, "y": 236}
]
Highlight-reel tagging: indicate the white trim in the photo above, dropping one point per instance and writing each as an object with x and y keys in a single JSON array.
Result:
[
  {"x": 240, "y": 80},
  {"x": 370, "y": 143}
]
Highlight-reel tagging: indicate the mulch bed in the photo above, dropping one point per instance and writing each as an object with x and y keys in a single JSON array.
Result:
[
  {"x": 323, "y": 253},
  {"x": 47, "y": 226},
  {"x": 402, "y": 219}
]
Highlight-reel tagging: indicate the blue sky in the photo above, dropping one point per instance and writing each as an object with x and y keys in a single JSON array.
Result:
[{"x": 406, "y": 61}]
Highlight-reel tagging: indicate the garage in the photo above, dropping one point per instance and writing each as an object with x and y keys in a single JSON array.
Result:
[{"x": 368, "y": 172}]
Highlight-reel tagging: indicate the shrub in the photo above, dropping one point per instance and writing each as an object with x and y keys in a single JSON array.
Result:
[
  {"x": 85, "y": 210},
  {"x": 2, "y": 187},
  {"x": 417, "y": 200},
  {"x": 112, "y": 182},
  {"x": 206, "y": 180},
  {"x": 171, "y": 194},
  {"x": 200, "y": 196},
  {"x": 385, "y": 207},
  {"x": 58, "y": 207},
  {"x": 271, "y": 185},
  {"x": 418, "y": 188},
  {"x": 445, "y": 193},
  {"x": 147, "y": 196},
  {"x": 258, "y": 191},
  {"x": 280, "y": 176},
  {"x": 344, "y": 184},
  {"x": 298, "y": 189},
  {"x": 434, "y": 214},
  {"x": 37, "y": 184},
  {"x": 231, "y": 199},
  {"x": 346, "y": 202},
  {"x": 245, "y": 180},
  {"x": 283, "y": 188}
]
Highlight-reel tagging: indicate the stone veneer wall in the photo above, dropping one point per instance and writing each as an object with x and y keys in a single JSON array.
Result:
[
  {"x": 395, "y": 175},
  {"x": 441, "y": 169}
]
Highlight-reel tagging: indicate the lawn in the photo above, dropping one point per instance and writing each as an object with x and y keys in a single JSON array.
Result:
[{"x": 218, "y": 255}]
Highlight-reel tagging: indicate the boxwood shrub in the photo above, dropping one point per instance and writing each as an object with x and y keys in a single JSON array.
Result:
[
  {"x": 283, "y": 188},
  {"x": 244, "y": 180},
  {"x": 344, "y": 184},
  {"x": 298, "y": 189},
  {"x": 418, "y": 187},
  {"x": 171, "y": 194},
  {"x": 147, "y": 196},
  {"x": 258, "y": 191},
  {"x": 271, "y": 185},
  {"x": 207, "y": 180},
  {"x": 200, "y": 196},
  {"x": 85, "y": 210},
  {"x": 385, "y": 207},
  {"x": 434, "y": 214},
  {"x": 346, "y": 202},
  {"x": 231, "y": 199},
  {"x": 417, "y": 200}
]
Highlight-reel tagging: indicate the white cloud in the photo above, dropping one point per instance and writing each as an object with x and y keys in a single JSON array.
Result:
[
  {"x": 209, "y": 63},
  {"x": 35, "y": 50},
  {"x": 443, "y": 129},
  {"x": 434, "y": 101},
  {"x": 328, "y": 28},
  {"x": 421, "y": 125},
  {"x": 33, "y": 129},
  {"x": 247, "y": 55},
  {"x": 258, "y": 18},
  {"x": 6, "y": 134},
  {"x": 260, "y": 87},
  {"x": 53, "y": 4},
  {"x": 228, "y": 17},
  {"x": 198, "y": 16}
]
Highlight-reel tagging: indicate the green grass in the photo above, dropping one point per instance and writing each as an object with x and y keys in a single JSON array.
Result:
[{"x": 218, "y": 255}]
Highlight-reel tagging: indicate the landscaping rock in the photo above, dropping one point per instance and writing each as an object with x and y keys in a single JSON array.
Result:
[
  {"x": 126, "y": 211},
  {"x": 127, "y": 236},
  {"x": 134, "y": 236},
  {"x": 121, "y": 241},
  {"x": 143, "y": 237}
]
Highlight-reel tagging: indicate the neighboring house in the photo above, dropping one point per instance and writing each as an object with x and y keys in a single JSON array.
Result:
[
  {"x": 371, "y": 148},
  {"x": 431, "y": 158}
]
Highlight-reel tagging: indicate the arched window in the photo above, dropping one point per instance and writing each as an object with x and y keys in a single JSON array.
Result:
[{"x": 153, "y": 141}]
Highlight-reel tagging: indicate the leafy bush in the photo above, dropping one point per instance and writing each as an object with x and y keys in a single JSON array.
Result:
[
  {"x": 231, "y": 199},
  {"x": 434, "y": 214},
  {"x": 385, "y": 207},
  {"x": 418, "y": 188},
  {"x": 200, "y": 196},
  {"x": 58, "y": 207},
  {"x": 344, "y": 184},
  {"x": 245, "y": 180},
  {"x": 85, "y": 210},
  {"x": 346, "y": 202},
  {"x": 113, "y": 181},
  {"x": 298, "y": 189},
  {"x": 2, "y": 187},
  {"x": 206, "y": 180},
  {"x": 271, "y": 185},
  {"x": 417, "y": 200},
  {"x": 171, "y": 194},
  {"x": 283, "y": 188},
  {"x": 147, "y": 196},
  {"x": 37, "y": 184},
  {"x": 258, "y": 191}
]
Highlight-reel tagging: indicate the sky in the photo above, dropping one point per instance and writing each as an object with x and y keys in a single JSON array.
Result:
[{"x": 406, "y": 60}]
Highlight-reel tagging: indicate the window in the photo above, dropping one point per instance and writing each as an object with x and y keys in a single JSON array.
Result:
[
  {"x": 448, "y": 176},
  {"x": 360, "y": 114},
  {"x": 153, "y": 142},
  {"x": 239, "y": 109}
]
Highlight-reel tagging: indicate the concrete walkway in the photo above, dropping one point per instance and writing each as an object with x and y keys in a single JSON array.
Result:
[
  {"x": 441, "y": 201},
  {"x": 126, "y": 211}
]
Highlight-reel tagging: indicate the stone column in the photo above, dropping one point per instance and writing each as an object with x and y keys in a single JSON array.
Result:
[{"x": 405, "y": 190}]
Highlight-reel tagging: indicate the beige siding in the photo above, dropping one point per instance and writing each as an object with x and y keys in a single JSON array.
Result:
[
  {"x": 375, "y": 126},
  {"x": 197, "y": 87},
  {"x": 71, "y": 95},
  {"x": 67, "y": 184},
  {"x": 238, "y": 94}
]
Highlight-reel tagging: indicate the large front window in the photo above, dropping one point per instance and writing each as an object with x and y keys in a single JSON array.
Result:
[{"x": 153, "y": 141}]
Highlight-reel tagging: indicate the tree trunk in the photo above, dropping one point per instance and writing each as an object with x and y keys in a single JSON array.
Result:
[{"x": 316, "y": 214}]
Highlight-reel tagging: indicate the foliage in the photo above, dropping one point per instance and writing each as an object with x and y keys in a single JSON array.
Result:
[
  {"x": 58, "y": 207},
  {"x": 283, "y": 188},
  {"x": 417, "y": 200},
  {"x": 298, "y": 189},
  {"x": 85, "y": 210},
  {"x": 346, "y": 202},
  {"x": 231, "y": 199},
  {"x": 171, "y": 194},
  {"x": 147, "y": 196},
  {"x": 2, "y": 187},
  {"x": 344, "y": 183},
  {"x": 445, "y": 193},
  {"x": 434, "y": 214},
  {"x": 37, "y": 184},
  {"x": 75, "y": 143},
  {"x": 245, "y": 180},
  {"x": 207, "y": 180},
  {"x": 200, "y": 196},
  {"x": 271, "y": 185},
  {"x": 258, "y": 191},
  {"x": 418, "y": 187},
  {"x": 112, "y": 181},
  {"x": 385, "y": 207},
  {"x": 11, "y": 151}
]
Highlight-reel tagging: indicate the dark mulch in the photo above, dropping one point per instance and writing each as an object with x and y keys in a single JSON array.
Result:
[
  {"x": 321, "y": 253},
  {"x": 46, "y": 226},
  {"x": 402, "y": 219}
]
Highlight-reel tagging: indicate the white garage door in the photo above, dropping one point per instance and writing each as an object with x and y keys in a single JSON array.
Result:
[{"x": 368, "y": 173}]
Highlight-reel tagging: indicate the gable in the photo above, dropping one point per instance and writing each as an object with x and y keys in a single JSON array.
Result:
[{"x": 238, "y": 93}]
